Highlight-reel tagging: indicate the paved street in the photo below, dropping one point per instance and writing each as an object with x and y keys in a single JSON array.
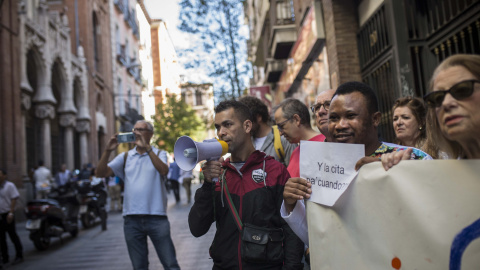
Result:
[{"x": 94, "y": 249}]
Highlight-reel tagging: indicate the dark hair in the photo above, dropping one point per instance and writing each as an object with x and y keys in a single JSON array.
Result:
[
  {"x": 362, "y": 88},
  {"x": 257, "y": 107},
  {"x": 3, "y": 171},
  {"x": 241, "y": 110},
  {"x": 40, "y": 163},
  {"x": 470, "y": 62},
  {"x": 291, "y": 106}
]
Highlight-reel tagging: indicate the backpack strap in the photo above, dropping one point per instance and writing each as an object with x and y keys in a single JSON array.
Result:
[
  {"x": 277, "y": 143},
  {"x": 124, "y": 162}
]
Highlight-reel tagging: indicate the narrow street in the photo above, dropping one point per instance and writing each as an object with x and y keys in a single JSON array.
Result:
[{"x": 96, "y": 249}]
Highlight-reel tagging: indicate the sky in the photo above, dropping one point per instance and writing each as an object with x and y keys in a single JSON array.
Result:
[{"x": 168, "y": 11}]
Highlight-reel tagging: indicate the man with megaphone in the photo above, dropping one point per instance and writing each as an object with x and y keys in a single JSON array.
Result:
[
  {"x": 145, "y": 196},
  {"x": 244, "y": 202}
]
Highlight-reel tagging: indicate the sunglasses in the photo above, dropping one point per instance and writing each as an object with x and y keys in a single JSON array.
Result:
[
  {"x": 315, "y": 108},
  {"x": 459, "y": 91}
]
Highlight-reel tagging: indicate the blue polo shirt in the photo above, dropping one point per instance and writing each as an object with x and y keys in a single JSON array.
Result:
[{"x": 145, "y": 192}]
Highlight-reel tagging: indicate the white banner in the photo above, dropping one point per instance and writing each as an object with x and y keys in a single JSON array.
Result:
[
  {"x": 329, "y": 167},
  {"x": 417, "y": 215}
]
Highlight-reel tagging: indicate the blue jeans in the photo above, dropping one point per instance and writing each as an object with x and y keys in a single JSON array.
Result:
[{"x": 136, "y": 229}]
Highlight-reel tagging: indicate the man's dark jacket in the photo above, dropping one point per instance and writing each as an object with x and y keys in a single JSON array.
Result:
[{"x": 258, "y": 203}]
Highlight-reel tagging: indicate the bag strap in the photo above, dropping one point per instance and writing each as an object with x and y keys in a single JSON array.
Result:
[
  {"x": 233, "y": 210},
  {"x": 277, "y": 143},
  {"x": 125, "y": 161}
]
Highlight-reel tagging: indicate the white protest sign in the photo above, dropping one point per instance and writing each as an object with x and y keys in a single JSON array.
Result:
[
  {"x": 329, "y": 167},
  {"x": 418, "y": 215}
]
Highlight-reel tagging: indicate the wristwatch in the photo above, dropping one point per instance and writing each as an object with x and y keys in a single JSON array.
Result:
[{"x": 149, "y": 150}]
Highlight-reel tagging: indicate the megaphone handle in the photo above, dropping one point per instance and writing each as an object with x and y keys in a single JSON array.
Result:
[{"x": 214, "y": 180}]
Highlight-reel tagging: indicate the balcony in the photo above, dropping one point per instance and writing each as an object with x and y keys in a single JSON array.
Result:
[
  {"x": 121, "y": 55},
  {"x": 283, "y": 39},
  {"x": 274, "y": 69},
  {"x": 119, "y": 5}
]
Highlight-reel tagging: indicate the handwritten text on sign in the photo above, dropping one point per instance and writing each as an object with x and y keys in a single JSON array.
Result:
[{"x": 329, "y": 167}]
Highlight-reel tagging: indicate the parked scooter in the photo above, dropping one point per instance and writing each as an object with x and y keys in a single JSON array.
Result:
[
  {"x": 53, "y": 216},
  {"x": 93, "y": 198}
]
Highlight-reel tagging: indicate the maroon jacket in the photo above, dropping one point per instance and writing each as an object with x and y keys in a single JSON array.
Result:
[{"x": 257, "y": 201}]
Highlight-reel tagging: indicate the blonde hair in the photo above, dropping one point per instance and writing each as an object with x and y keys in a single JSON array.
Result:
[{"x": 470, "y": 62}]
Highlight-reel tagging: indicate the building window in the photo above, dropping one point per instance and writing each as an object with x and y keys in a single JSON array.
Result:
[
  {"x": 96, "y": 42},
  {"x": 198, "y": 98}
]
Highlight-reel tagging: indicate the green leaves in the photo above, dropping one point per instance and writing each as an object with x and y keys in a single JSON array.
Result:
[
  {"x": 221, "y": 49},
  {"x": 174, "y": 119}
]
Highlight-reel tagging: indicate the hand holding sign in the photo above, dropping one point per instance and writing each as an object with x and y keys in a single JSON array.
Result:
[
  {"x": 329, "y": 167},
  {"x": 296, "y": 189}
]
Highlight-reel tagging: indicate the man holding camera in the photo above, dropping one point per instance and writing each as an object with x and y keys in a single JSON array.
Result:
[
  {"x": 145, "y": 197},
  {"x": 244, "y": 202}
]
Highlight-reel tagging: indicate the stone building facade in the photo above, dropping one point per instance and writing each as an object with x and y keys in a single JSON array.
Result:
[
  {"x": 11, "y": 129},
  {"x": 56, "y": 84},
  {"x": 200, "y": 98}
]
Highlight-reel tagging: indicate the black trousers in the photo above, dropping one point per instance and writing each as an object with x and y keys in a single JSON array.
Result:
[
  {"x": 175, "y": 187},
  {"x": 9, "y": 228}
]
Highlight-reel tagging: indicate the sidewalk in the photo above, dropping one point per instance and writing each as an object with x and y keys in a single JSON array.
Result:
[{"x": 96, "y": 249}]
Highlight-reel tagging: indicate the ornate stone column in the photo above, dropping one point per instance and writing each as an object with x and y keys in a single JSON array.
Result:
[
  {"x": 26, "y": 105},
  {"x": 67, "y": 121},
  {"x": 45, "y": 112},
  {"x": 83, "y": 127}
]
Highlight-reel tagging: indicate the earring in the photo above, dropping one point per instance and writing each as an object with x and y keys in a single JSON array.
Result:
[{"x": 420, "y": 128}]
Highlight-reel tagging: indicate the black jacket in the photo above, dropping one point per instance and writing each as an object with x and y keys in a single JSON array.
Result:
[{"x": 258, "y": 203}]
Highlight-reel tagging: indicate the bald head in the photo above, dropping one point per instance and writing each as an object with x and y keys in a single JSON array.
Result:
[{"x": 321, "y": 114}]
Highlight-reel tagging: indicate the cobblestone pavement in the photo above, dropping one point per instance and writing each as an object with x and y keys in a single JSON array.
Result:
[{"x": 96, "y": 249}]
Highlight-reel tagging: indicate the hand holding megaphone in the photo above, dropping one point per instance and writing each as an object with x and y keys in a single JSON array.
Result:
[
  {"x": 212, "y": 170},
  {"x": 189, "y": 152}
]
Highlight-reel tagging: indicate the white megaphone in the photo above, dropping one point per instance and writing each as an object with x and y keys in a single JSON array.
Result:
[{"x": 189, "y": 152}]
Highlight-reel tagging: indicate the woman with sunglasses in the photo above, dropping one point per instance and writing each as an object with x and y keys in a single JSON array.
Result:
[{"x": 453, "y": 116}]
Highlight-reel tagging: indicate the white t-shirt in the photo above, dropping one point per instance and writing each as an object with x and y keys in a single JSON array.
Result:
[
  {"x": 145, "y": 192},
  {"x": 259, "y": 142},
  {"x": 8, "y": 192}
]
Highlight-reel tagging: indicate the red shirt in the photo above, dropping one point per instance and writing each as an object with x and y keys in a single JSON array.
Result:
[{"x": 294, "y": 165}]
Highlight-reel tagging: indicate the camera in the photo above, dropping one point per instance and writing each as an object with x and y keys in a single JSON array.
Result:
[{"x": 126, "y": 137}]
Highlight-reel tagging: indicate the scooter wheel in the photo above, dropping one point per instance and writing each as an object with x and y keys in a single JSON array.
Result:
[
  {"x": 88, "y": 219},
  {"x": 41, "y": 242},
  {"x": 74, "y": 232}
]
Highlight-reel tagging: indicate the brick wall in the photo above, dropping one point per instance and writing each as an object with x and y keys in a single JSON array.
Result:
[{"x": 341, "y": 26}]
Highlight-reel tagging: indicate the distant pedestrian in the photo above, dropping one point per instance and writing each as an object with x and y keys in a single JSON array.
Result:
[
  {"x": 145, "y": 197},
  {"x": 186, "y": 178},
  {"x": 8, "y": 199},
  {"x": 63, "y": 176},
  {"x": 86, "y": 172},
  {"x": 115, "y": 191},
  {"x": 173, "y": 176},
  {"x": 43, "y": 180}
]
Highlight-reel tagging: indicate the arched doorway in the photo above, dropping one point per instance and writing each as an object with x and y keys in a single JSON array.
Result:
[
  {"x": 57, "y": 132},
  {"x": 77, "y": 98},
  {"x": 33, "y": 133}
]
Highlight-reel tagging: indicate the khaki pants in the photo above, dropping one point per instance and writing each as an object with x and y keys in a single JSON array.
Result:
[
  {"x": 114, "y": 192},
  {"x": 187, "y": 182}
]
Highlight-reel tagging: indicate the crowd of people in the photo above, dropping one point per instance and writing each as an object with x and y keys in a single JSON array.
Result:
[{"x": 255, "y": 196}]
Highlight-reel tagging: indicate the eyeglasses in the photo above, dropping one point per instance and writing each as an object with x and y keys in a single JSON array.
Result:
[
  {"x": 315, "y": 108},
  {"x": 281, "y": 124},
  {"x": 141, "y": 129},
  {"x": 459, "y": 91}
]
